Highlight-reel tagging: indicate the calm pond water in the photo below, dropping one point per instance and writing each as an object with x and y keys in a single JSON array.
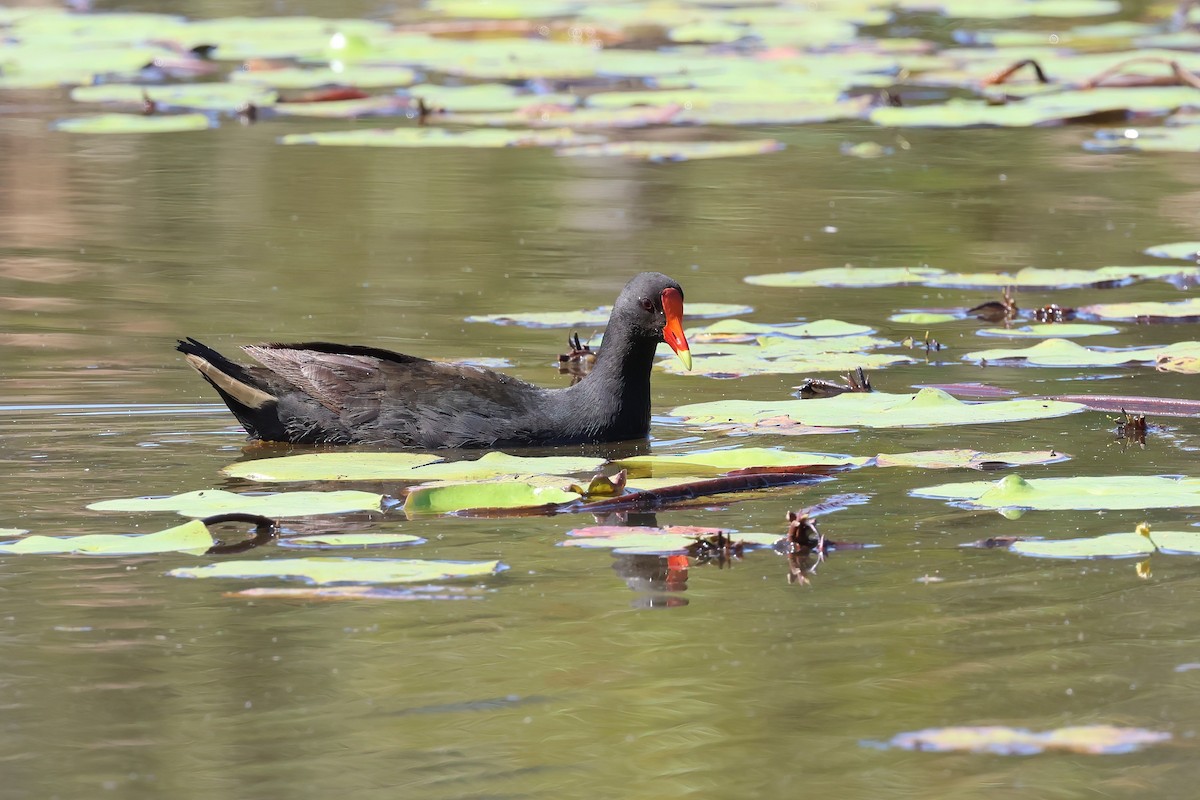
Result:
[{"x": 576, "y": 674}]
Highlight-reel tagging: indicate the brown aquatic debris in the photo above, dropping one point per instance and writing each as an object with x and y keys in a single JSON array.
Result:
[
  {"x": 1054, "y": 313},
  {"x": 578, "y": 361},
  {"x": 1000, "y": 76},
  {"x": 1004, "y": 310},
  {"x": 1132, "y": 428},
  {"x": 812, "y": 388}
]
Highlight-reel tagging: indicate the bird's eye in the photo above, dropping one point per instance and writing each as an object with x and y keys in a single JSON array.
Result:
[{"x": 648, "y": 305}]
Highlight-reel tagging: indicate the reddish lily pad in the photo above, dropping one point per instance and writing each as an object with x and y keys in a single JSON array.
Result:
[
  {"x": 439, "y": 137},
  {"x": 658, "y": 151}
]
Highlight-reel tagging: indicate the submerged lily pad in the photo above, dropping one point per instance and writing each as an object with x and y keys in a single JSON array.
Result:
[
  {"x": 331, "y": 570},
  {"x": 439, "y": 137},
  {"x": 1078, "y": 494},
  {"x": 1042, "y": 330},
  {"x": 926, "y": 408},
  {"x": 331, "y": 541},
  {"x": 657, "y": 541},
  {"x": 598, "y": 317},
  {"x": 659, "y": 151},
  {"x": 330, "y": 467},
  {"x": 859, "y": 277},
  {"x": 449, "y": 497},
  {"x": 135, "y": 123},
  {"x": 999, "y": 740},
  {"x": 190, "y": 537},
  {"x": 207, "y": 502}
]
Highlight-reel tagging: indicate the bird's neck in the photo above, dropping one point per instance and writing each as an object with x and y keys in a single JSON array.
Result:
[{"x": 618, "y": 387}]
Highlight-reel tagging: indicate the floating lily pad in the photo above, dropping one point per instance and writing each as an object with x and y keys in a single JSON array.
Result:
[
  {"x": 924, "y": 318},
  {"x": 858, "y": 277},
  {"x": 969, "y": 459},
  {"x": 226, "y": 97},
  {"x": 496, "y": 464},
  {"x": 339, "y": 466},
  {"x": 1148, "y": 140},
  {"x": 329, "y": 570},
  {"x": 659, "y": 151},
  {"x": 733, "y": 459},
  {"x": 208, "y": 502},
  {"x": 598, "y": 317},
  {"x": 927, "y": 408},
  {"x": 1112, "y": 545},
  {"x": 1065, "y": 353},
  {"x": 1050, "y": 329},
  {"x": 1189, "y": 251},
  {"x": 382, "y": 105},
  {"x": 449, "y": 497},
  {"x": 135, "y": 123},
  {"x": 12, "y": 531},
  {"x": 739, "y": 366},
  {"x": 190, "y": 537},
  {"x": 657, "y": 541},
  {"x": 1036, "y": 278},
  {"x": 332, "y": 541},
  {"x": 736, "y": 330},
  {"x": 1079, "y": 494},
  {"x": 361, "y": 77},
  {"x": 1179, "y": 310},
  {"x": 479, "y": 97},
  {"x": 439, "y": 137},
  {"x": 997, "y": 740},
  {"x": 364, "y": 592}
]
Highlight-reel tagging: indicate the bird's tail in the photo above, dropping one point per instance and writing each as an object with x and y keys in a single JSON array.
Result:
[{"x": 249, "y": 398}]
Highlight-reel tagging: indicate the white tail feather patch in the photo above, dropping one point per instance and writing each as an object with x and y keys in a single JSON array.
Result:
[{"x": 244, "y": 393}]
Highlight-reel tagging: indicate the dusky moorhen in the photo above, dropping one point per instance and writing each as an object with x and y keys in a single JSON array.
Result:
[{"x": 322, "y": 393}]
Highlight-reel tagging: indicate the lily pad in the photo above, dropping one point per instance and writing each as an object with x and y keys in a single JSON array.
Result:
[
  {"x": 1147, "y": 140},
  {"x": 445, "y": 498},
  {"x": 362, "y": 592},
  {"x": 924, "y": 318},
  {"x": 1065, "y": 353},
  {"x": 1036, "y": 278},
  {"x": 1079, "y": 493},
  {"x": 496, "y": 464},
  {"x": 12, "y": 531},
  {"x": 857, "y": 277},
  {"x": 339, "y": 466},
  {"x": 208, "y": 502},
  {"x": 659, "y": 151},
  {"x": 657, "y": 541},
  {"x": 1112, "y": 545},
  {"x": 361, "y": 77},
  {"x": 135, "y": 123},
  {"x": 1042, "y": 330},
  {"x": 598, "y": 317},
  {"x": 330, "y": 570},
  {"x": 998, "y": 740},
  {"x": 225, "y": 97},
  {"x": 332, "y": 541},
  {"x": 190, "y": 537},
  {"x": 439, "y": 137},
  {"x": 736, "y": 330},
  {"x": 714, "y": 461},
  {"x": 739, "y": 366},
  {"x": 969, "y": 459},
  {"x": 927, "y": 408},
  {"x": 1188, "y": 251},
  {"x": 1179, "y": 310}
]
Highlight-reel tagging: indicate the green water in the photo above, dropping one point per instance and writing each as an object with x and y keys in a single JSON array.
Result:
[{"x": 576, "y": 674}]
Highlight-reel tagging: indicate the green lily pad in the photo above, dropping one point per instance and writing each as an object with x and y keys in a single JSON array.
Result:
[
  {"x": 444, "y": 498},
  {"x": 135, "y": 123},
  {"x": 1035, "y": 278},
  {"x": 225, "y": 97},
  {"x": 856, "y": 277},
  {"x": 190, "y": 537},
  {"x": 785, "y": 113},
  {"x": 742, "y": 365},
  {"x": 658, "y": 151},
  {"x": 715, "y": 461},
  {"x": 1148, "y": 140},
  {"x": 969, "y": 459},
  {"x": 1050, "y": 329},
  {"x": 363, "y": 592},
  {"x": 998, "y": 740},
  {"x": 1079, "y": 494},
  {"x": 1179, "y": 310},
  {"x": 1188, "y": 251},
  {"x": 924, "y": 318},
  {"x": 207, "y": 502},
  {"x": 1065, "y": 353},
  {"x": 330, "y": 570},
  {"x": 361, "y": 77},
  {"x": 481, "y": 97},
  {"x": 1112, "y": 545},
  {"x": 331, "y": 541},
  {"x": 439, "y": 137},
  {"x": 656, "y": 541},
  {"x": 927, "y": 408},
  {"x": 496, "y": 464},
  {"x": 12, "y": 531},
  {"x": 598, "y": 317},
  {"x": 737, "y": 330},
  {"x": 330, "y": 467}
]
